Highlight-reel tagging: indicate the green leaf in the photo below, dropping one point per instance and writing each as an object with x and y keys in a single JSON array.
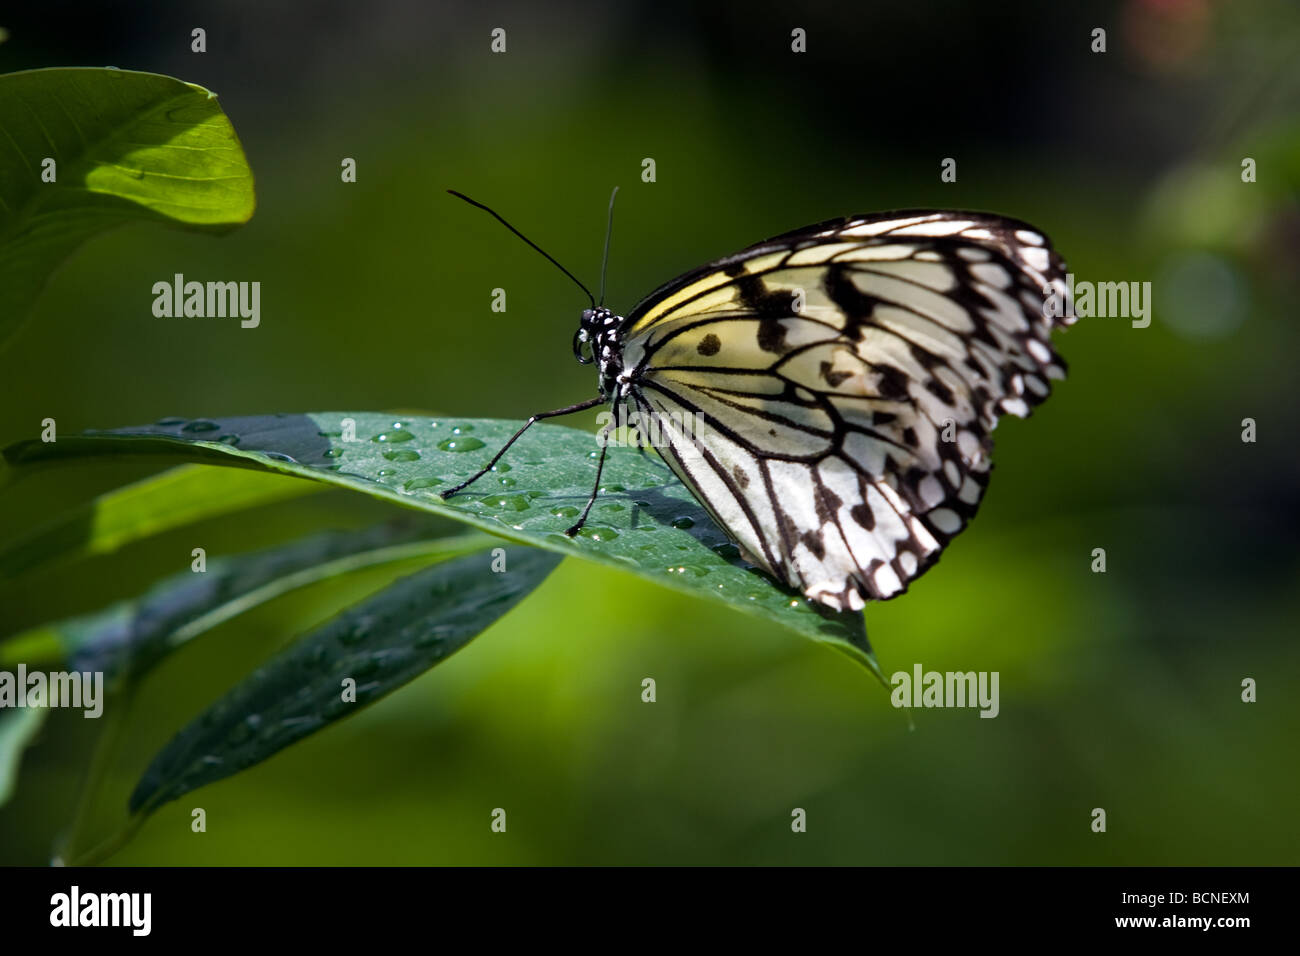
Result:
[
  {"x": 127, "y": 147},
  {"x": 645, "y": 521},
  {"x": 127, "y": 639},
  {"x": 381, "y": 643},
  {"x": 177, "y": 497},
  {"x": 17, "y": 729}
]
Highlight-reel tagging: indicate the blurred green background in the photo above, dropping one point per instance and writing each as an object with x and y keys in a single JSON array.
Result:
[{"x": 1118, "y": 690}]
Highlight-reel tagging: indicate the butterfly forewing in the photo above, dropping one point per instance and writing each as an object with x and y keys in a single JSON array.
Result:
[{"x": 846, "y": 377}]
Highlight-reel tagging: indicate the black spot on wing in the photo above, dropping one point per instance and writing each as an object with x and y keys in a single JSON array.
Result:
[
  {"x": 769, "y": 307},
  {"x": 856, "y": 304},
  {"x": 764, "y": 302},
  {"x": 925, "y": 358},
  {"x": 828, "y": 503},
  {"x": 893, "y": 382},
  {"x": 812, "y": 540},
  {"x": 863, "y": 515},
  {"x": 771, "y": 336},
  {"x": 941, "y": 391},
  {"x": 709, "y": 345},
  {"x": 832, "y": 377}
]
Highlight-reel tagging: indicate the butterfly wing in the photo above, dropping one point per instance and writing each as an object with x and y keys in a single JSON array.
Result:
[{"x": 829, "y": 394}]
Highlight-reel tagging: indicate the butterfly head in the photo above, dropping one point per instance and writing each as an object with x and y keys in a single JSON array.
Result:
[{"x": 598, "y": 340}]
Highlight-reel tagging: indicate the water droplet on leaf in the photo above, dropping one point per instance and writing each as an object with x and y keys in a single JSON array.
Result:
[
  {"x": 507, "y": 502},
  {"x": 459, "y": 444},
  {"x": 416, "y": 484}
]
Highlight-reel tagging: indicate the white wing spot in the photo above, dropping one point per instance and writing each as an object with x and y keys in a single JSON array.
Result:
[
  {"x": 931, "y": 491},
  {"x": 946, "y": 521},
  {"x": 1039, "y": 351},
  {"x": 992, "y": 273},
  {"x": 886, "y": 580},
  {"x": 938, "y": 227},
  {"x": 876, "y": 228},
  {"x": 1037, "y": 258}
]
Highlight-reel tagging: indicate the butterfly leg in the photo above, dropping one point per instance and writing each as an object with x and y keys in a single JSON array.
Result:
[
  {"x": 581, "y": 406},
  {"x": 600, "y": 466}
]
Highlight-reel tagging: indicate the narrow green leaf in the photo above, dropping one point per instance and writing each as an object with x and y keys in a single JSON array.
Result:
[
  {"x": 18, "y": 728},
  {"x": 177, "y": 497},
  {"x": 645, "y": 521},
  {"x": 126, "y": 147},
  {"x": 381, "y": 644},
  {"x": 127, "y": 639}
]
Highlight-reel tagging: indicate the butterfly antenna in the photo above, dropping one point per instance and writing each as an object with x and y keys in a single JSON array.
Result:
[
  {"x": 609, "y": 234},
  {"x": 548, "y": 256}
]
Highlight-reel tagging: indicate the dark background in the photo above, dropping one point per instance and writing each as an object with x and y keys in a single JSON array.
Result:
[{"x": 1118, "y": 690}]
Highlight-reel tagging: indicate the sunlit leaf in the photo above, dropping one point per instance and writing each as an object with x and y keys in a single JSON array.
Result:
[
  {"x": 177, "y": 497},
  {"x": 125, "y": 147}
]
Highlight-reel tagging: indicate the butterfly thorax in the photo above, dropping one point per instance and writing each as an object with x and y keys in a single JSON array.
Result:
[{"x": 598, "y": 340}]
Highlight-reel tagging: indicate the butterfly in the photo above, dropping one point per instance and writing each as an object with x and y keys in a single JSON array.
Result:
[{"x": 840, "y": 383}]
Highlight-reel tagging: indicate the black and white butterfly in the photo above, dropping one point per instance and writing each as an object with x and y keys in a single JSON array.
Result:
[{"x": 848, "y": 376}]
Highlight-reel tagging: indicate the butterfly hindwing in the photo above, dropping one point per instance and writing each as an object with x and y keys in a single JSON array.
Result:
[{"x": 847, "y": 377}]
